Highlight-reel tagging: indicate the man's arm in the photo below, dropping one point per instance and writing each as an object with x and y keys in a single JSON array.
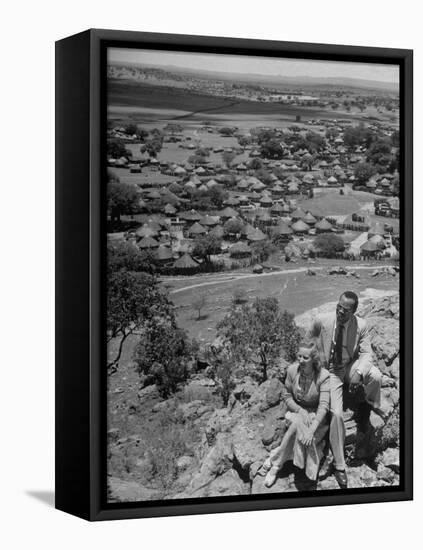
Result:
[{"x": 365, "y": 356}]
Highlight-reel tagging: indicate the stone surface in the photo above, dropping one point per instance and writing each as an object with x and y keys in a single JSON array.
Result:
[
  {"x": 387, "y": 474},
  {"x": 390, "y": 459},
  {"x": 274, "y": 392},
  {"x": 183, "y": 463},
  {"x": 120, "y": 490},
  {"x": 384, "y": 336},
  {"x": 246, "y": 448},
  {"x": 389, "y": 400}
]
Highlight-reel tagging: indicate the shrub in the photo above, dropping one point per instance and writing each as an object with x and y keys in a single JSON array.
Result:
[
  {"x": 329, "y": 245},
  {"x": 240, "y": 296},
  {"x": 166, "y": 440},
  {"x": 222, "y": 371},
  {"x": 163, "y": 353},
  {"x": 257, "y": 335}
]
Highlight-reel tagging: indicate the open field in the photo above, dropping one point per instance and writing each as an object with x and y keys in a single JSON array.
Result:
[
  {"x": 143, "y": 102},
  {"x": 296, "y": 291}
]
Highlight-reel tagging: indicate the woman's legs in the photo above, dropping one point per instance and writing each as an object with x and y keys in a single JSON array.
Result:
[{"x": 281, "y": 454}]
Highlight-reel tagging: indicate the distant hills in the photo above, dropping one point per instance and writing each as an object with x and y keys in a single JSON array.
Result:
[{"x": 268, "y": 80}]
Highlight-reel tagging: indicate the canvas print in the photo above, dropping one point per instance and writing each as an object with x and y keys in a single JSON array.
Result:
[{"x": 253, "y": 244}]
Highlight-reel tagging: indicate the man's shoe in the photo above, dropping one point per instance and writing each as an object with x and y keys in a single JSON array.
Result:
[
  {"x": 271, "y": 477},
  {"x": 341, "y": 478},
  {"x": 383, "y": 415}
]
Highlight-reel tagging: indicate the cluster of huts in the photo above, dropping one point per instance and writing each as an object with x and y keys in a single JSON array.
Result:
[
  {"x": 334, "y": 166},
  {"x": 264, "y": 209}
]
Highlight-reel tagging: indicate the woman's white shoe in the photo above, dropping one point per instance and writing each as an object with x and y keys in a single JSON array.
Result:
[{"x": 271, "y": 477}]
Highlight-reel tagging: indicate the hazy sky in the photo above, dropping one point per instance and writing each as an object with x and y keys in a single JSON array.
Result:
[{"x": 257, "y": 65}]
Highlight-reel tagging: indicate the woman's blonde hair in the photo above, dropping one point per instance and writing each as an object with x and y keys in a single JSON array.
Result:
[{"x": 311, "y": 344}]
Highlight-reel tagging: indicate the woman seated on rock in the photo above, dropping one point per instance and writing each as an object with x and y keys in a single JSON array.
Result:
[{"x": 306, "y": 395}]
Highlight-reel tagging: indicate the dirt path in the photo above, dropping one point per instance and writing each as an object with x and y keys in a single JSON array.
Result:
[{"x": 257, "y": 275}]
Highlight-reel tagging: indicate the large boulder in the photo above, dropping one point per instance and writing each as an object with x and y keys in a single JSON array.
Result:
[
  {"x": 384, "y": 337},
  {"x": 247, "y": 447}
]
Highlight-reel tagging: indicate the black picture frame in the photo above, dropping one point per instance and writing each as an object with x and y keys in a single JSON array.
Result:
[{"x": 80, "y": 241}]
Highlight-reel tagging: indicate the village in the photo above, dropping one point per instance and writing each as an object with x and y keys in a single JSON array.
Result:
[{"x": 249, "y": 207}]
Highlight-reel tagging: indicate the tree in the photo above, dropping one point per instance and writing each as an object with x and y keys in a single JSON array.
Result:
[
  {"x": 124, "y": 255},
  {"x": 258, "y": 335},
  {"x": 363, "y": 172},
  {"x": 205, "y": 246},
  {"x": 203, "y": 152},
  {"x": 379, "y": 153},
  {"x": 142, "y": 134},
  {"x": 307, "y": 163},
  {"x": 261, "y": 251},
  {"x": 222, "y": 370},
  {"x": 228, "y": 157},
  {"x": 199, "y": 304},
  {"x": 240, "y": 296},
  {"x": 314, "y": 142},
  {"x": 122, "y": 198},
  {"x": 134, "y": 301},
  {"x": 217, "y": 196},
  {"x": 244, "y": 141},
  {"x": 329, "y": 245},
  {"x": 358, "y": 135},
  {"x": 226, "y": 131},
  {"x": 173, "y": 128},
  {"x": 256, "y": 164},
  {"x": 264, "y": 175},
  {"x": 233, "y": 226},
  {"x": 116, "y": 149},
  {"x": 131, "y": 129},
  {"x": 153, "y": 146},
  {"x": 272, "y": 149},
  {"x": 263, "y": 136}
]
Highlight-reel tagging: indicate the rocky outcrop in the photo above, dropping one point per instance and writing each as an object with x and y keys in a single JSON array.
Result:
[
  {"x": 222, "y": 450},
  {"x": 238, "y": 439}
]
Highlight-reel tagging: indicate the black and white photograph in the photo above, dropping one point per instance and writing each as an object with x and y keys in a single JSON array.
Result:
[{"x": 253, "y": 275}]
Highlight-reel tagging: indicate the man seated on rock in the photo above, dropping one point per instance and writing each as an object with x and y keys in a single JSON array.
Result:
[{"x": 347, "y": 353}]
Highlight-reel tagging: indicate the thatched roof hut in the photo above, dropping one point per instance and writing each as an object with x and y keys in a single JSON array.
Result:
[
  {"x": 300, "y": 227},
  {"x": 196, "y": 229},
  {"x": 240, "y": 250},
  {"x": 163, "y": 254},
  {"x": 298, "y": 214},
  {"x": 232, "y": 201},
  {"x": 209, "y": 221},
  {"x": 309, "y": 219},
  {"x": 369, "y": 248},
  {"x": 169, "y": 209},
  {"x": 266, "y": 200},
  {"x": 277, "y": 209},
  {"x": 148, "y": 242},
  {"x": 323, "y": 226},
  {"x": 282, "y": 229},
  {"x": 185, "y": 262},
  {"x": 228, "y": 213},
  {"x": 256, "y": 235},
  {"x": 191, "y": 216}
]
